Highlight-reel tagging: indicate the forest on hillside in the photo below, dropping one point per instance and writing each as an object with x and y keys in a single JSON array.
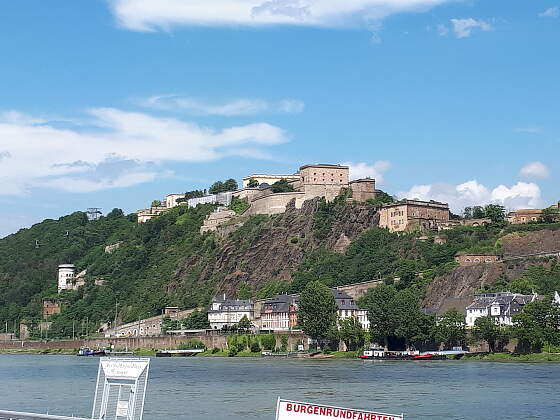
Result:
[{"x": 161, "y": 262}]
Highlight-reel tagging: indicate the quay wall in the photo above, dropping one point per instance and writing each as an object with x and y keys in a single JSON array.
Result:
[{"x": 132, "y": 343}]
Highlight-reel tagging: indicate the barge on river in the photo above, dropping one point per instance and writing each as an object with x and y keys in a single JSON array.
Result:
[{"x": 382, "y": 354}]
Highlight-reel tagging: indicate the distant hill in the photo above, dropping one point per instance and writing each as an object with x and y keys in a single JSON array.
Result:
[{"x": 167, "y": 262}]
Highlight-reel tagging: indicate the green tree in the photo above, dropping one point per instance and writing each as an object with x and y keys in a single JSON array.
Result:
[
  {"x": 268, "y": 341},
  {"x": 478, "y": 212},
  {"x": 381, "y": 312},
  {"x": 197, "y": 320},
  {"x": 230, "y": 185},
  {"x": 216, "y": 187},
  {"x": 525, "y": 285},
  {"x": 381, "y": 198},
  {"x": 253, "y": 183},
  {"x": 156, "y": 203},
  {"x": 244, "y": 291},
  {"x": 408, "y": 317},
  {"x": 244, "y": 323},
  {"x": 281, "y": 186},
  {"x": 317, "y": 310},
  {"x": 239, "y": 205},
  {"x": 115, "y": 213},
  {"x": 450, "y": 328},
  {"x": 550, "y": 215},
  {"x": 352, "y": 333},
  {"x": 538, "y": 324},
  {"x": 495, "y": 212},
  {"x": 485, "y": 329},
  {"x": 467, "y": 213},
  {"x": 219, "y": 186},
  {"x": 167, "y": 324},
  {"x": 192, "y": 194}
]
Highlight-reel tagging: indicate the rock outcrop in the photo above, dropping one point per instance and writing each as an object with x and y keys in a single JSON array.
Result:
[
  {"x": 526, "y": 243},
  {"x": 272, "y": 247}
]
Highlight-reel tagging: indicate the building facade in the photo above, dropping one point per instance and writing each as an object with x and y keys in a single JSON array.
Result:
[
  {"x": 225, "y": 312},
  {"x": 279, "y": 313},
  {"x": 311, "y": 181},
  {"x": 147, "y": 214},
  {"x": 472, "y": 259},
  {"x": 363, "y": 189},
  {"x": 413, "y": 214},
  {"x": 347, "y": 308},
  {"x": 500, "y": 307},
  {"x": 171, "y": 200},
  {"x": 50, "y": 307},
  {"x": 524, "y": 216}
]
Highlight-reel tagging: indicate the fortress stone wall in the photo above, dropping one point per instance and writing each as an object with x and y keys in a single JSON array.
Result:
[
  {"x": 311, "y": 181},
  {"x": 276, "y": 203}
]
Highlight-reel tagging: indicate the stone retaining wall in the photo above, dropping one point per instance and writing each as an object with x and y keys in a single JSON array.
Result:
[{"x": 132, "y": 343}]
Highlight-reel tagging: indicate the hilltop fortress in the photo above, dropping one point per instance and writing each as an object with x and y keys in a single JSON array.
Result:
[
  {"x": 319, "y": 180},
  {"x": 311, "y": 181}
]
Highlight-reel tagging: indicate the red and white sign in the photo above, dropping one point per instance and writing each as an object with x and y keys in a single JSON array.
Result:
[{"x": 292, "y": 410}]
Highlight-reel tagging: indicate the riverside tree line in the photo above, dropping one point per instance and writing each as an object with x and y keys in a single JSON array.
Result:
[{"x": 397, "y": 315}]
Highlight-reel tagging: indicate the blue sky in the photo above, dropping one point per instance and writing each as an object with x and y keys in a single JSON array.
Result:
[{"x": 116, "y": 103}]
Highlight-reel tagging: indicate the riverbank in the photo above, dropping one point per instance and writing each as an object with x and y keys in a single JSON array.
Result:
[
  {"x": 484, "y": 357},
  {"x": 513, "y": 357}
]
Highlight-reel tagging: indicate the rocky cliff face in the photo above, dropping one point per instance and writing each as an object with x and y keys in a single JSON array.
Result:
[
  {"x": 462, "y": 282},
  {"x": 271, "y": 248},
  {"x": 526, "y": 243}
]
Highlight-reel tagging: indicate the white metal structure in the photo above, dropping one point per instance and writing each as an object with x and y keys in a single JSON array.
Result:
[
  {"x": 16, "y": 415},
  {"x": 121, "y": 388}
]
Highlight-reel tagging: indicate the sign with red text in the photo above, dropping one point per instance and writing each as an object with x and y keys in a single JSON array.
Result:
[{"x": 295, "y": 410}]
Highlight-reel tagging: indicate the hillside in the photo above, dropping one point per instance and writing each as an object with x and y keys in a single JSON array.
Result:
[{"x": 167, "y": 262}]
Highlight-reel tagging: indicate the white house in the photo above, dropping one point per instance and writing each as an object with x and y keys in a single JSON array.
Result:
[
  {"x": 500, "y": 307},
  {"x": 347, "y": 308},
  {"x": 227, "y": 312}
]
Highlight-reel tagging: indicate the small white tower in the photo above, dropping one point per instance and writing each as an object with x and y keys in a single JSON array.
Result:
[{"x": 66, "y": 272}]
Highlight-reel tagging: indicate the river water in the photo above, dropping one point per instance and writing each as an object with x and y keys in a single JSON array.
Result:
[{"x": 243, "y": 388}]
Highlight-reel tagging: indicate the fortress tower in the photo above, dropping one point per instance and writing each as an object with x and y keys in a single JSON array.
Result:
[{"x": 66, "y": 274}]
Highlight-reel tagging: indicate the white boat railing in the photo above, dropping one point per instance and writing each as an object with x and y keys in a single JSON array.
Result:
[{"x": 17, "y": 415}]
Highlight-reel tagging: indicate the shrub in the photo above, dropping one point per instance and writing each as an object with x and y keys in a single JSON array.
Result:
[
  {"x": 284, "y": 341},
  {"x": 268, "y": 341},
  {"x": 215, "y": 350},
  {"x": 255, "y": 348},
  {"x": 191, "y": 344}
]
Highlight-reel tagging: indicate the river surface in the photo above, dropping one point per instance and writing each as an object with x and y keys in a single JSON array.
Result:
[{"x": 240, "y": 388}]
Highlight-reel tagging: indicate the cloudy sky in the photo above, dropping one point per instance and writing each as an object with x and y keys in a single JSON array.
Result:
[{"x": 114, "y": 103}]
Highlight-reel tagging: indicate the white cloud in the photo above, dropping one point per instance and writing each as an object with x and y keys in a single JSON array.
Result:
[
  {"x": 376, "y": 171},
  {"x": 243, "y": 106},
  {"x": 117, "y": 149},
  {"x": 535, "y": 170},
  {"x": 464, "y": 27},
  {"x": 519, "y": 195},
  {"x": 442, "y": 29},
  {"x": 151, "y": 15},
  {"x": 552, "y": 12}
]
